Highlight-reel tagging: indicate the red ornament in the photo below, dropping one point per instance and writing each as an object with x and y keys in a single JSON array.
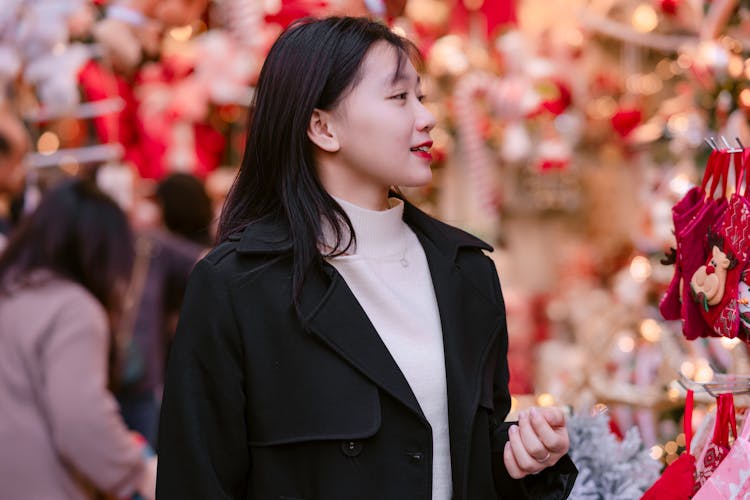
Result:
[
  {"x": 669, "y": 7},
  {"x": 625, "y": 120},
  {"x": 564, "y": 99}
]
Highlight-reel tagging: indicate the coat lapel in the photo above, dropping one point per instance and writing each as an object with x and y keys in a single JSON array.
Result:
[
  {"x": 332, "y": 313},
  {"x": 471, "y": 322}
]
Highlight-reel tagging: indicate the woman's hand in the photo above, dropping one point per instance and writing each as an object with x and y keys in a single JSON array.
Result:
[{"x": 538, "y": 441}]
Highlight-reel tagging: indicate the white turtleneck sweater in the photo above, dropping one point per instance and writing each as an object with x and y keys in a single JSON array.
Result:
[{"x": 389, "y": 276}]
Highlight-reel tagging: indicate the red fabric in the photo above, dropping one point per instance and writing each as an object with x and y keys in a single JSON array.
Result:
[
  {"x": 677, "y": 482},
  {"x": 692, "y": 217},
  {"x": 291, "y": 10},
  {"x": 145, "y": 144},
  {"x": 495, "y": 14},
  {"x": 669, "y": 7},
  {"x": 99, "y": 83}
]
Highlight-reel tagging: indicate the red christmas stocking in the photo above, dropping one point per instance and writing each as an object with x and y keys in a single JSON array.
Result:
[
  {"x": 677, "y": 482},
  {"x": 714, "y": 286}
]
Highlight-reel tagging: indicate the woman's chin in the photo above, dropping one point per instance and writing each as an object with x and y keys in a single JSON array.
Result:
[{"x": 418, "y": 179}]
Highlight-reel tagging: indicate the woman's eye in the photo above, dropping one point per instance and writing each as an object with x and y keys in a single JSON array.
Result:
[
  {"x": 422, "y": 97},
  {"x": 402, "y": 95}
]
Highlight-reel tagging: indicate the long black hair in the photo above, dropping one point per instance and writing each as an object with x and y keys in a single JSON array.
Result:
[
  {"x": 77, "y": 232},
  {"x": 312, "y": 65}
]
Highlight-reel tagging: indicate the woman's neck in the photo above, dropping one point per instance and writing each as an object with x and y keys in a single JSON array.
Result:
[{"x": 378, "y": 233}]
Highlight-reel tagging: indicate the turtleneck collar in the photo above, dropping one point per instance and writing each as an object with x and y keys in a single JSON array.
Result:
[{"x": 379, "y": 233}]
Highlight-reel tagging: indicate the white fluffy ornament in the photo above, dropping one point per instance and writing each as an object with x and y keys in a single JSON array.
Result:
[
  {"x": 516, "y": 143},
  {"x": 55, "y": 76}
]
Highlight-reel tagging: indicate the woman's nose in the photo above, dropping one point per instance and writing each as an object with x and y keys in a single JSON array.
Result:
[{"x": 425, "y": 119}]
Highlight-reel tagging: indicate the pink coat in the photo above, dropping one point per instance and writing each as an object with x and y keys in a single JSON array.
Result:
[{"x": 61, "y": 433}]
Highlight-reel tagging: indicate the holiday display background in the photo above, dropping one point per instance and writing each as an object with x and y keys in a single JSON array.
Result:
[{"x": 566, "y": 132}]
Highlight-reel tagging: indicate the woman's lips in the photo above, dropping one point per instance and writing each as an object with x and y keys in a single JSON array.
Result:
[{"x": 423, "y": 154}]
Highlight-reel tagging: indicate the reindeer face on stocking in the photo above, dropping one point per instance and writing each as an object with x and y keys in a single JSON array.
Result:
[
  {"x": 716, "y": 285},
  {"x": 709, "y": 281}
]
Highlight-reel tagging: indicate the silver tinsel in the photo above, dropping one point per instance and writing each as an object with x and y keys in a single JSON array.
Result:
[{"x": 609, "y": 469}]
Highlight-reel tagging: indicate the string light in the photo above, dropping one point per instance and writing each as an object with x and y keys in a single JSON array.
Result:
[
  {"x": 640, "y": 269},
  {"x": 513, "y": 403},
  {"x": 736, "y": 66},
  {"x": 680, "y": 440},
  {"x": 664, "y": 69},
  {"x": 728, "y": 343},
  {"x": 545, "y": 399},
  {"x": 181, "y": 34},
  {"x": 703, "y": 373},
  {"x": 680, "y": 184},
  {"x": 603, "y": 108},
  {"x": 48, "y": 143},
  {"x": 656, "y": 452},
  {"x": 645, "y": 18},
  {"x": 745, "y": 98},
  {"x": 626, "y": 344},
  {"x": 673, "y": 394},
  {"x": 651, "y": 330},
  {"x": 671, "y": 447},
  {"x": 687, "y": 368}
]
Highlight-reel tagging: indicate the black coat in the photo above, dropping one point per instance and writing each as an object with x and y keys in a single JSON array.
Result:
[{"x": 261, "y": 405}]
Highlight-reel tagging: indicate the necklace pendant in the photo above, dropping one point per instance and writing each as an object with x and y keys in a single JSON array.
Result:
[{"x": 404, "y": 262}]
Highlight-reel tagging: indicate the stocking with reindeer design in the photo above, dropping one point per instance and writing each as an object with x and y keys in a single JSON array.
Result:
[{"x": 715, "y": 285}]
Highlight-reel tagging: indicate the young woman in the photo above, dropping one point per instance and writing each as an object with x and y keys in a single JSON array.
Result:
[
  {"x": 61, "y": 280},
  {"x": 339, "y": 343}
]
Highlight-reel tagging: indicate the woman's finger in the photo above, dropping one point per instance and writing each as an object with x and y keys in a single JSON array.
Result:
[
  {"x": 531, "y": 440},
  {"x": 555, "y": 417},
  {"x": 511, "y": 466},
  {"x": 526, "y": 462},
  {"x": 554, "y": 439}
]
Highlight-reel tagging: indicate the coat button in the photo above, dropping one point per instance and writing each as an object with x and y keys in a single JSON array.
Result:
[
  {"x": 351, "y": 448},
  {"x": 416, "y": 457}
]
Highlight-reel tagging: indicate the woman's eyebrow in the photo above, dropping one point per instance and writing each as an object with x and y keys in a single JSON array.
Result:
[{"x": 399, "y": 77}]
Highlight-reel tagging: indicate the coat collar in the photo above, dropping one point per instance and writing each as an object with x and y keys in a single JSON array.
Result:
[{"x": 271, "y": 235}]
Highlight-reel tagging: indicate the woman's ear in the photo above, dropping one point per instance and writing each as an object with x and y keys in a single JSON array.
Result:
[{"x": 321, "y": 132}]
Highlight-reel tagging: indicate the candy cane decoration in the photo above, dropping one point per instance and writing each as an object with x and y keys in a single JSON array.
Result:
[
  {"x": 505, "y": 99},
  {"x": 479, "y": 162}
]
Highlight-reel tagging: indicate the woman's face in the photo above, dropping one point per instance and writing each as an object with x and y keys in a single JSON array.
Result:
[{"x": 382, "y": 127}]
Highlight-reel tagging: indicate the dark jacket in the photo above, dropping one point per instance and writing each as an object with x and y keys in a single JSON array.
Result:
[{"x": 260, "y": 404}]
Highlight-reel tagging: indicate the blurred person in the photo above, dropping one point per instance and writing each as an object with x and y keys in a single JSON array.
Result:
[
  {"x": 167, "y": 248},
  {"x": 14, "y": 144},
  {"x": 186, "y": 207},
  {"x": 339, "y": 343},
  {"x": 62, "y": 281}
]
